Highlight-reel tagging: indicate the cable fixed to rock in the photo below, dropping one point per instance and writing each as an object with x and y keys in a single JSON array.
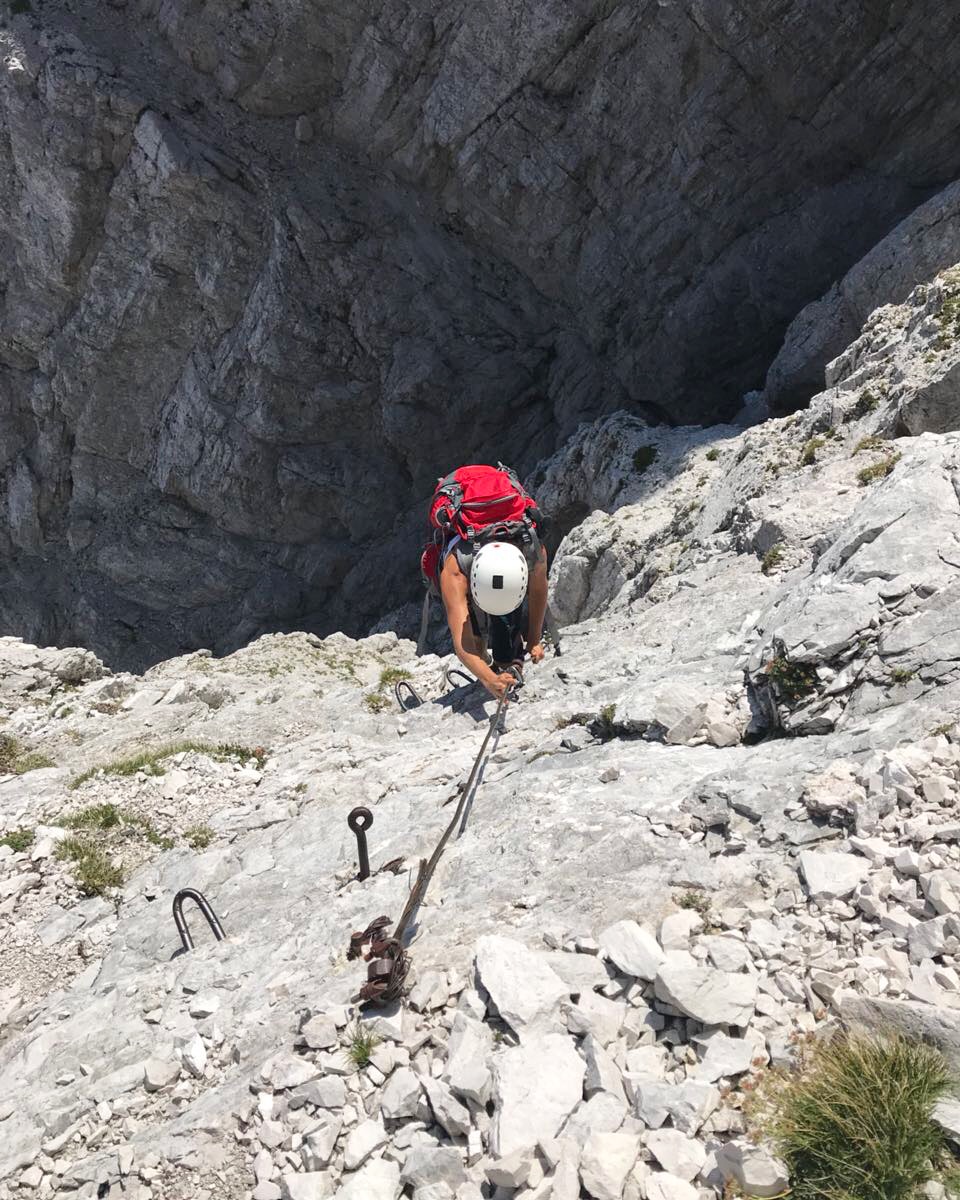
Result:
[
  {"x": 204, "y": 905},
  {"x": 387, "y": 959}
]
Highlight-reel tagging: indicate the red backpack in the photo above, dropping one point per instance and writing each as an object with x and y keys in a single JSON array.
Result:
[{"x": 479, "y": 504}]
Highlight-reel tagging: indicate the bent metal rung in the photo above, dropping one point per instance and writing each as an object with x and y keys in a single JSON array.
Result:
[{"x": 204, "y": 905}]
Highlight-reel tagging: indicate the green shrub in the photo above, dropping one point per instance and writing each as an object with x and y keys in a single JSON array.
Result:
[
  {"x": 879, "y": 470},
  {"x": 713, "y": 454},
  {"x": 644, "y": 457},
  {"x": 694, "y": 901},
  {"x": 853, "y": 1120},
  {"x": 772, "y": 558},
  {"x": 901, "y": 675},
  {"x": 808, "y": 454},
  {"x": 18, "y": 839},
  {"x": 793, "y": 680},
  {"x": 866, "y": 403}
]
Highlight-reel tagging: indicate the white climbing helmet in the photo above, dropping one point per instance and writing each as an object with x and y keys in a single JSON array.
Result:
[{"x": 498, "y": 578}]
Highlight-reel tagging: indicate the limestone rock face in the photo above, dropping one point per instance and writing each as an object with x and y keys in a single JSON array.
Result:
[{"x": 250, "y": 264}]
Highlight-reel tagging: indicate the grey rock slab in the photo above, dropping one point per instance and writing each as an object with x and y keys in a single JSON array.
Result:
[
  {"x": 426, "y": 1165},
  {"x": 448, "y": 1112},
  {"x": 320, "y": 1033},
  {"x": 193, "y": 1054},
  {"x": 400, "y": 1097},
  {"x": 726, "y": 953},
  {"x": 582, "y": 973},
  {"x": 523, "y": 987},
  {"x": 597, "y": 1015},
  {"x": 288, "y": 1071},
  {"x": 318, "y": 1144},
  {"x": 376, "y": 1180},
  {"x": 605, "y": 1163},
  {"x": 313, "y": 1185},
  {"x": 663, "y": 1186},
  {"x": 468, "y": 1052},
  {"x": 361, "y": 1142},
  {"x": 946, "y": 1113},
  {"x": 920, "y": 1022},
  {"x": 632, "y": 949},
  {"x": 602, "y": 1074},
  {"x": 687, "y": 1105},
  {"x": 536, "y": 1087},
  {"x": 604, "y": 1112},
  {"x": 725, "y": 1058},
  {"x": 328, "y": 1092},
  {"x": 511, "y": 1171},
  {"x": 678, "y": 1154},
  {"x": 830, "y": 875},
  {"x": 753, "y": 1168},
  {"x": 712, "y": 997},
  {"x": 159, "y": 1073}
]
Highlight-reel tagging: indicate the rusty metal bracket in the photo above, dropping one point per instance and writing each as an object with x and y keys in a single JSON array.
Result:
[
  {"x": 204, "y": 905},
  {"x": 360, "y": 820}
]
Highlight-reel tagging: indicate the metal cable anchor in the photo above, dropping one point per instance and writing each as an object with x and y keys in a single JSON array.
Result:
[
  {"x": 360, "y": 820},
  {"x": 204, "y": 905},
  {"x": 405, "y": 686},
  {"x": 452, "y": 673}
]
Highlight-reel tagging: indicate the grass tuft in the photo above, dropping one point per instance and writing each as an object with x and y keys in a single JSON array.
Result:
[
  {"x": 853, "y": 1120},
  {"x": 18, "y": 839},
  {"x": 363, "y": 1042},
  {"x": 772, "y": 558},
  {"x": 14, "y": 760},
  {"x": 879, "y": 470},
  {"x": 901, "y": 675},
  {"x": 873, "y": 442},
  {"x": 713, "y": 454},
  {"x": 94, "y": 872},
  {"x": 808, "y": 454},
  {"x": 376, "y": 702},
  {"x": 151, "y": 762},
  {"x": 391, "y": 676},
  {"x": 198, "y": 837},
  {"x": 644, "y": 457}
]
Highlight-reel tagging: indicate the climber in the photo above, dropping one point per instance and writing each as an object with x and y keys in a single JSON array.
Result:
[{"x": 490, "y": 570}]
